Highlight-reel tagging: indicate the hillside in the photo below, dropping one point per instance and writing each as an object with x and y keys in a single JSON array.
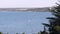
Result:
[{"x": 25, "y": 9}]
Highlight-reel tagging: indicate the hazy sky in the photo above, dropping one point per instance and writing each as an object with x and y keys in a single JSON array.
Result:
[{"x": 26, "y": 3}]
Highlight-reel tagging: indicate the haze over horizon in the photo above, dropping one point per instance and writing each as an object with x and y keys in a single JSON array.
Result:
[{"x": 26, "y": 3}]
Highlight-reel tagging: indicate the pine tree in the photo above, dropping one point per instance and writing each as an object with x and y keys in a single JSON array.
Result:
[
  {"x": 44, "y": 32},
  {"x": 39, "y": 32},
  {"x": 17, "y": 33},
  {"x": 1, "y": 33},
  {"x": 54, "y": 22},
  {"x": 23, "y": 33}
]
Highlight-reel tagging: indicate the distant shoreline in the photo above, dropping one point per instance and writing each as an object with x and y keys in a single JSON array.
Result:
[{"x": 26, "y": 9}]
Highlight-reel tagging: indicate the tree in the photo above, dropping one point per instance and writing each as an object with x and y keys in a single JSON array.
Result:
[
  {"x": 23, "y": 33},
  {"x": 1, "y": 33},
  {"x": 16, "y": 33},
  {"x": 39, "y": 32},
  {"x": 54, "y": 22},
  {"x": 44, "y": 32}
]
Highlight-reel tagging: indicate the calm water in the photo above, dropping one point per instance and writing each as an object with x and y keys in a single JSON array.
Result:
[{"x": 28, "y": 22}]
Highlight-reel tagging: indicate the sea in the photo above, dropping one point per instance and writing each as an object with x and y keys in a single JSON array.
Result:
[{"x": 13, "y": 22}]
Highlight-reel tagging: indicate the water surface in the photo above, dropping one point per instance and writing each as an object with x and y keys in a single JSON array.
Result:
[{"x": 28, "y": 22}]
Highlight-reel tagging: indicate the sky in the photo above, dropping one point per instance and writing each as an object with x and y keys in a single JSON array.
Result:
[
  {"x": 28, "y": 22},
  {"x": 26, "y": 3}
]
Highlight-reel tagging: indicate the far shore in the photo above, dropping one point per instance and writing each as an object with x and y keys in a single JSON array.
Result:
[{"x": 26, "y": 9}]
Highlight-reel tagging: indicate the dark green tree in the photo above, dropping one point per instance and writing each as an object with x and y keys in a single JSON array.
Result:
[
  {"x": 23, "y": 33},
  {"x": 17, "y": 33},
  {"x": 1, "y": 33},
  {"x": 39, "y": 33},
  {"x": 54, "y": 22},
  {"x": 44, "y": 31}
]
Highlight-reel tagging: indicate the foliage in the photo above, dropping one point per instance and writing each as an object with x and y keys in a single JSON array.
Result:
[
  {"x": 16, "y": 33},
  {"x": 39, "y": 32},
  {"x": 54, "y": 22},
  {"x": 1, "y": 33},
  {"x": 23, "y": 33}
]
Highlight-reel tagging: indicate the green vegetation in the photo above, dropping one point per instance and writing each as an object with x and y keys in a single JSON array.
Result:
[
  {"x": 54, "y": 22},
  {"x": 1, "y": 33},
  {"x": 16, "y": 33},
  {"x": 39, "y": 32},
  {"x": 23, "y": 33}
]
